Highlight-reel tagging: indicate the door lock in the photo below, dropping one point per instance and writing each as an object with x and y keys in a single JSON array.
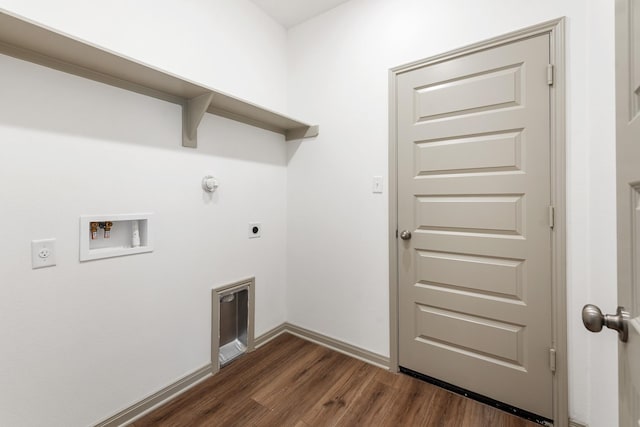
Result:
[{"x": 594, "y": 320}]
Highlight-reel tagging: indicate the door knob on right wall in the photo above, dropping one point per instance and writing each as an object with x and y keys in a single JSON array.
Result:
[{"x": 594, "y": 320}]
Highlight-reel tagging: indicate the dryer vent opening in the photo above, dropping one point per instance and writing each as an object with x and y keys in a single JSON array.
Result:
[
  {"x": 232, "y": 325},
  {"x": 234, "y": 321}
]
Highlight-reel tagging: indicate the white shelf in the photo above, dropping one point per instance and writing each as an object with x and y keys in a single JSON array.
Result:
[{"x": 30, "y": 41}]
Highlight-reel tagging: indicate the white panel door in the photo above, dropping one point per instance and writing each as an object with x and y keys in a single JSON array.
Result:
[
  {"x": 628, "y": 204},
  {"x": 626, "y": 320},
  {"x": 474, "y": 194}
]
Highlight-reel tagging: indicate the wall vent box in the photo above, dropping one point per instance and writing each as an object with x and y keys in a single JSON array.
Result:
[
  {"x": 232, "y": 323},
  {"x": 122, "y": 240}
]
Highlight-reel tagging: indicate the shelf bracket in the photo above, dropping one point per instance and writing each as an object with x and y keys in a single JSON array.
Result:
[
  {"x": 301, "y": 133},
  {"x": 192, "y": 112}
]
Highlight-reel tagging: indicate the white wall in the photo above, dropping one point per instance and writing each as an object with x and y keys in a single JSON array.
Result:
[
  {"x": 602, "y": 361},
  {"x": 337, "y": 244},
  {"x": 81, "y": 341},
  {"x": 230, "y": 45},
  {"x": 85, "y": 340}
]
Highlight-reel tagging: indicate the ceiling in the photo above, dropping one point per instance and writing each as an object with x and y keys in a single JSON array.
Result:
[{"x": 292, "y": 12}]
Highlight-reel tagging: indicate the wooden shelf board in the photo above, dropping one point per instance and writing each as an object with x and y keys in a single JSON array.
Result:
[{"x": 33, "y": 42}]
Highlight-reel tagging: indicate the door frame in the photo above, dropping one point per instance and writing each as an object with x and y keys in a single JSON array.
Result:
[{"x": 555, "y": 30}]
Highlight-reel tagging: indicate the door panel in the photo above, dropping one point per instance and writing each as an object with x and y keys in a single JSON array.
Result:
[
  {"x": 628, "y": 200},
  {"x": 481, "y": 154},
  {"x": 480, "y": 213},
  {"x": 485, "y": 91},
  {"x": 469, "y": 273},
  {"x": 473, "y": 334},
  {"x": 474, "y": 190}
]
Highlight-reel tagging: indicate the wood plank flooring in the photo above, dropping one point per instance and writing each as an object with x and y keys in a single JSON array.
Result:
[{"x": 293, "y": 382}]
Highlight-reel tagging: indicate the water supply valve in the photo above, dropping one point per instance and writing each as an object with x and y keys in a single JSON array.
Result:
[
  {"x": 106, "y": 226},
  {"x": 94, "y": 230},
  {"x": 107, "y": 229}
]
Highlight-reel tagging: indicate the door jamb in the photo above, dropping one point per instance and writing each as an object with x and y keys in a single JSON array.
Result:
[{"x": 556, "y": 31}]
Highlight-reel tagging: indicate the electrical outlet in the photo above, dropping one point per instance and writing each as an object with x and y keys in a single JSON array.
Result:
[
  {"x": 43, "y": 253},
  {"x": 255, "y": 230}
]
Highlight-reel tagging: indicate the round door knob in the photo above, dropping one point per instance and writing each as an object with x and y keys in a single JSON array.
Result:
[
  {"x": 594, "y": 320},
  {"x": 405, "y": 235}
]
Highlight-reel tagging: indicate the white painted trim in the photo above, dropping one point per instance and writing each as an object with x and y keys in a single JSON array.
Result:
[
  {"x": 147, "y": 404},
  {"x": 573, "y": 423}
]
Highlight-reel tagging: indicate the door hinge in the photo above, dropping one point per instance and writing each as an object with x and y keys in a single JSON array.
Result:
[
  {"x": 550, "y": 74},
  {"x": 552, "y": 359},
  {"x": 552, "y": 217}
]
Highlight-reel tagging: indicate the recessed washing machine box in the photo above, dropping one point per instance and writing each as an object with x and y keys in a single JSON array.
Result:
[
  {"x": 106, "y": 236},
  {"x": 232, "y": 322}
]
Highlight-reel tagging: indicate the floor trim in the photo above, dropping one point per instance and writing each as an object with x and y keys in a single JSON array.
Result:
[
  {"x": 138, "y": 409},
  {"x": 269, "y": 335},
  {"x": 573, "y": 423},
  {"x": 337, "y": 345},
  {"x": 325, "y": 341},
  {"x": 145, "y": 405}
]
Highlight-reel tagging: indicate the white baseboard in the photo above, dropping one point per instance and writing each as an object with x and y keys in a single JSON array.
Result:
[
  {"x": 573, "y": 423},
  {"x": 269, "y": 335},
  {"x": 139, "y": 409},
  {"x": 136, "y": 410},
  {"x": 323, "y": 340}
]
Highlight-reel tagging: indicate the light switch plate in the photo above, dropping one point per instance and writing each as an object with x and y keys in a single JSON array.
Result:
[
  {"x": 377, "y": 184},
  {"x": 43, "y": 253}
]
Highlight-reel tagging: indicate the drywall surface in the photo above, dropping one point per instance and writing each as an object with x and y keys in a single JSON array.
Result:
[
  {"x": 229, "y": 45},
  {"x": 602, "y": 362},
  {"x": 337, "y": 244},
  {"x": 82, "y": 341}
]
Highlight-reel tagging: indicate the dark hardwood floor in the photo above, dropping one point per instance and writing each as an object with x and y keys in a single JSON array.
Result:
[{"x": 293, "y": 382}]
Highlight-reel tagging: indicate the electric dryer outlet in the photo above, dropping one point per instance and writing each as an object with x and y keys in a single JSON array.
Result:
[{"x": 255, "y": 230}]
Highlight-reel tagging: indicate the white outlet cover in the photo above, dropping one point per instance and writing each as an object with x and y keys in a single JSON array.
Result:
[
  {"x": 253, "y": 234},
  {"x": 43, "y": 253}
]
